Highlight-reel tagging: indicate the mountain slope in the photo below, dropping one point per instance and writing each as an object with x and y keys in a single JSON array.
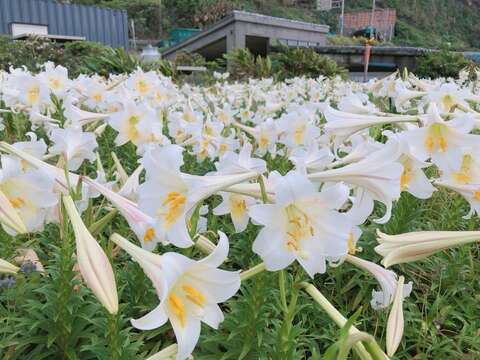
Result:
[{"x": 429, "y": 23}]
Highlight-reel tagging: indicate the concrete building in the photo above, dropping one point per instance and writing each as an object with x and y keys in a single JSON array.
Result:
[
  {"x": 253, "y": 31},
  {"x": 63, "y": 22}
]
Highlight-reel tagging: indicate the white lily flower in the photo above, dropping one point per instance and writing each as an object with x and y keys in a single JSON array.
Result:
[
  {"x": 75, "y": 146},
  {"x": 237, "y": 206},
  {"x": 233, "y": 163},
  {"x": 377, "y": 176},
  {"x": 302, "y": 224},
  {"x": 30, "y": 194},
  {"x": 6, "y": 267},
  {"x": 57, "y": 173},
  {"x": 9, "y": 218},
  {"x": 441, "y": 140},
  {"x": 130, "y": 186},
  {"x": 413, "y": 246},
  {"x": 141, "y": 223},
  {"x": 471, "y": 193},
  {"x": 94, "y": 265},
  {"x": 357, "y": 103},
  {"x": 343, "y": 124},
  {"x": 170, "y": 196},
  {"x": 313, "y": 159},
  {"x": 77, "y": 116},
  {"x": 189, "y": 290},
  {"x": 387, "y": 280}
]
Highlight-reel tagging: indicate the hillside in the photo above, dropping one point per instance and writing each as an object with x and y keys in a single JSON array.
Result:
[{"x": 431, "y": 23}]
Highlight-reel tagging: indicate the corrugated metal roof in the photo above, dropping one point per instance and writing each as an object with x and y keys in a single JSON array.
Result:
[{"x": 103, "y": 25}]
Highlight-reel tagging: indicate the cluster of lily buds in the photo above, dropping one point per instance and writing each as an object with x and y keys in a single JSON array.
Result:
[{"x": 335, "y": 163}]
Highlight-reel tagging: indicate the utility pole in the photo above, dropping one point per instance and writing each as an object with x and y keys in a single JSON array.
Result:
[
  {"x": 342, "y": 17},
  {"x": 159, "y": 19},
  {"x": 372, "y": 17}
]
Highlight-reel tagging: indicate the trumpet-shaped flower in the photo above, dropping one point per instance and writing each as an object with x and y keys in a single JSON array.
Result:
[
  {"x": 136, "y": 123},
  {"x": 313, "y": 159},
  {"x": 30, "y": 194},
  {"x": 413, "y": 178},
  {"x": 237, "y": 206},
  {"x": 233, "y": 163},
  {"x": 302, "y": 224},
  {"x": 75, "y": 146},
  {"x": 169, "y": 196},
  {"x": 387, "y": 279},
  {"x": 471, "y": 193},
  {"x": 189, "y": 291},
  {"x": 413, "y": 246},
  {"x": 440, "y": 140},
  {"x": 377, "y": 177},
  {"x": 141, "y": 223},
  {"x": 357, "y": 103},
  {"x": 94, "y": 265},
  {"x": 344, "y": 124}
]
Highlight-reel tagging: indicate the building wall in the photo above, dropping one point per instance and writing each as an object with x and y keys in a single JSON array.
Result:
[
  {"x": 384, "y": 21},
  {"x": 103, "y": 25}
]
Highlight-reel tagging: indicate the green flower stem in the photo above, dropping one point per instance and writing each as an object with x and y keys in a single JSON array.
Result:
[
  {"x": 263, "y": 189},
  {"x": 371, "y": 350},
  {"x": 257, "y": 269},
  {"x": 114, "y": 345},
  {"x": 284, "y": 344},
  {"x": 281, "y": 286}
]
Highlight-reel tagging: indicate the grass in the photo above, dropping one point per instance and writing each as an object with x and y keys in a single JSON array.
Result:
[{"x": 441, "y": 315}]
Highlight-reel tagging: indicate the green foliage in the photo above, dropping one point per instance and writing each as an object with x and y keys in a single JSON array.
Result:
[
  {"x": 306, "y": 62},
  {"x": 283, "y": 64},
  {"x": 443, "y": 63},
  {"x": 34, "y": 52}
]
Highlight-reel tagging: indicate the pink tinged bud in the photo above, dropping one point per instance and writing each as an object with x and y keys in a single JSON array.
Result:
[
  {"x": 6, "y": 267},
  {"x": 395, "y": 320},
  {"x": 93, "y": 262}
]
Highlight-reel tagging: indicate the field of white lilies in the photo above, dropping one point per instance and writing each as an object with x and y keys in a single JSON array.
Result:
[{"x": 306, "y": 219}]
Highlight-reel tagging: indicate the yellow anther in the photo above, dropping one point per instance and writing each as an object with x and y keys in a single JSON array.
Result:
[
  {"x": 351, "y": 244},
  {"x": 97, "y": 97},
  {"x": 429, "y": 143},
  {"x": 476, "y": 195},
  {"x": 194, "y": 295},
  {"x": 407, "y": 174},
  {"x": 33, "y": 94},
  {"x": 177, "y": 307},
  {"x": 464, "y": 175},
  {"x": 142, "y": 87},
  {"x": 299, "y": 134},
  {"x": 17, "y": 202},
  {"x": 263, "y": 141},
  {"x": 238, "y": 206},
  {"x": 149, "y": 234},
  {"x": 436, "y": 138},
  {"x": 175, "y": 203}
]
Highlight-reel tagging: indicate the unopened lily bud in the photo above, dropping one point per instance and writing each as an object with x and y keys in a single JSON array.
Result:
[
  {"x": 92, "y": 261},
  {"x": 395, "y": 320},
  {"x": 6, "y": 267}
]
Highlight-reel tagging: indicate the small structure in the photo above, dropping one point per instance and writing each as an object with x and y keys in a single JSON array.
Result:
[
  {"x": 383, "y": 21},
  {"x": 253, "y": 31},
  {"x": 383, "y": 59},
  {"x": 63, "y": 22}
]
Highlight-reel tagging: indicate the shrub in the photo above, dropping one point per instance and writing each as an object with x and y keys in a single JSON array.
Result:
[
  {"x": 443, "y": 63},
  {"x": 305, "y": 62}
]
